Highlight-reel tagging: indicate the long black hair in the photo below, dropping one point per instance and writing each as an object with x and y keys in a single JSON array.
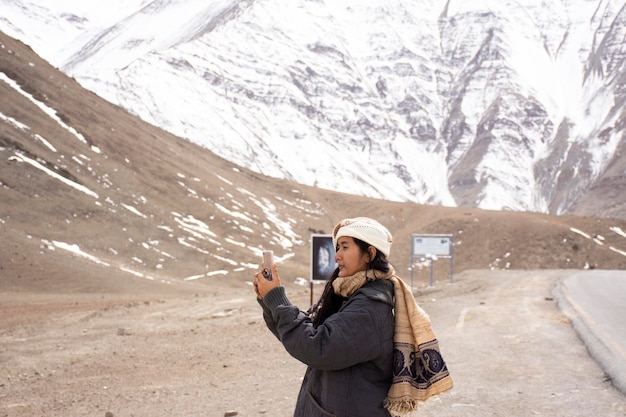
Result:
[{"x": 329, "y": 302}]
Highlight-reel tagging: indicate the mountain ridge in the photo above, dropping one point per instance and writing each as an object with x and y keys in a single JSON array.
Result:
[
  {"x": 92, "y": 197},
  {"x": 504, "y": 105}
]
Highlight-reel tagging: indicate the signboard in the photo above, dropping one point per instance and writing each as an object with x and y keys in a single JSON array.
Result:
[
  {"x": 322, "y": 257},
  {"x": 431, "y": 245}
]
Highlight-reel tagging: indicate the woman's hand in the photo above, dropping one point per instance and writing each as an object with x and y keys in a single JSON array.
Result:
[{"x": 262, "y": 286}]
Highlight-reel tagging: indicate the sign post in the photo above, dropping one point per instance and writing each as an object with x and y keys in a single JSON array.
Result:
[{"x": 431, "y": 246}]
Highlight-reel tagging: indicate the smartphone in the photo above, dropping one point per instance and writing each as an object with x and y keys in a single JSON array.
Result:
[{"x": 268, "y": 260}]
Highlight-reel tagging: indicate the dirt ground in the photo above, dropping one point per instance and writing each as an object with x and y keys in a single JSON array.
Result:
[{"x": 509, "y": 348}]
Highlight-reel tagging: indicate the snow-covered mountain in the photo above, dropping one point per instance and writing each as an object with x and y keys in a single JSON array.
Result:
[{"x": 498, "y": 104}]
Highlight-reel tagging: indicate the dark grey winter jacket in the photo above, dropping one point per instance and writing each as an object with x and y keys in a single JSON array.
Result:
[{"x": 349, "y": 357}]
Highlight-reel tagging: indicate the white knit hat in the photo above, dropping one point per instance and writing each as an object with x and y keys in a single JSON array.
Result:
[{"x": 365, "y": 229}]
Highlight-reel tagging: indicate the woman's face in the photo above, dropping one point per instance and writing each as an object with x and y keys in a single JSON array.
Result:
[{"x": 350, "y": 259}]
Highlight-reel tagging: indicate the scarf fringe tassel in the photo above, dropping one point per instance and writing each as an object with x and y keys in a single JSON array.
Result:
[{"x": 404, "y": 407}]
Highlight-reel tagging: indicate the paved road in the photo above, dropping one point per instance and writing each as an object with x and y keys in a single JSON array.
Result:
[{"x": 595, "y": 301}]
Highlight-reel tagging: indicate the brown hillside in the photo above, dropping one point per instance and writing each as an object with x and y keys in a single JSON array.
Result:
[{"x": 120, "y": 201}]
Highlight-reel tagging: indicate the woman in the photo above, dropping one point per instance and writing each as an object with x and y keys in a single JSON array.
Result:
[{"x": 362, "y": 360}]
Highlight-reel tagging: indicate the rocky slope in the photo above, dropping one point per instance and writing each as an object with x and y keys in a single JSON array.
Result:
[
  {"x": 499, "y": 105},
  {"x": 91, "y": 194}
]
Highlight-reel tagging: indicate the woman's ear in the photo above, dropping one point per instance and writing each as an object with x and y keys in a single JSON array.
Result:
[{"x": 371, "y": 252}]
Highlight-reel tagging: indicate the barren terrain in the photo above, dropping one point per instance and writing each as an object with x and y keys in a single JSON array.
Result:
[{"x": 207, "y": 353}]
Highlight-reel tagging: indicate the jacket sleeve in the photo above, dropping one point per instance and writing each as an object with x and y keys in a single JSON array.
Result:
[
  {"x": 267, "y": 317},
  {"x": 351, "y": 336}
]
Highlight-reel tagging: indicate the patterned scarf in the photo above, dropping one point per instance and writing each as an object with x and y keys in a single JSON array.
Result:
[{"x": 419, "y": 371}]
